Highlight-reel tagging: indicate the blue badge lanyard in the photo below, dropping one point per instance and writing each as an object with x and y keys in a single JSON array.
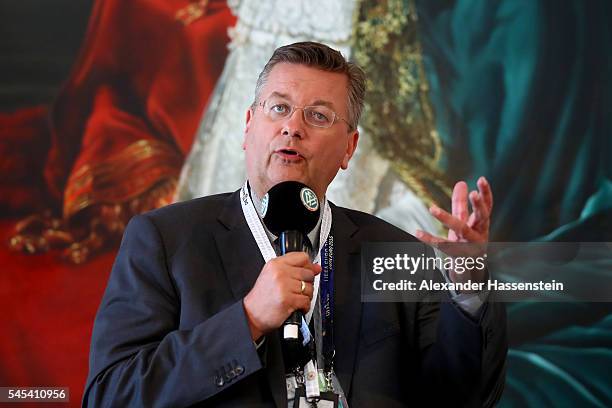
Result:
[{"x": 327, "y": 304}]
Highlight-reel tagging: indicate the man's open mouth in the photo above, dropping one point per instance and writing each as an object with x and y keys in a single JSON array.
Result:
[{"x": 289, "y": 154}]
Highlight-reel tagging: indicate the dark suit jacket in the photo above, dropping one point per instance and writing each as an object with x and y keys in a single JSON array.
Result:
[{"x": 171, "y": 329}]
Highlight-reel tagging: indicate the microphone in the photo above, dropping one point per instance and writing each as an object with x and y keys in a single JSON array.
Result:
[{"x": 290, "y": 210}]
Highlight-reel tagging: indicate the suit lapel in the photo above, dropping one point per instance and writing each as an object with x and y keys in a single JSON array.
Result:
[
  {"x": 347, "y": 293},
  {"x": 243, "y": 262},
  {"x": 239, "y": 252}
]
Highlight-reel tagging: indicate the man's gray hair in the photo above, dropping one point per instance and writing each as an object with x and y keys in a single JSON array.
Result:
[{"x": 320, "y": 56}]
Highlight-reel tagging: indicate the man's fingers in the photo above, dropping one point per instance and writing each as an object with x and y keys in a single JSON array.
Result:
[
  {"x": 295, "y": 258},
  {"x": 297, "y": 288},
  {"x": 472, "y": 220},
  {"x": 304, "y": 303},
  {"x": 315, "y": 268},
  {"x": 481, "y": 212},
  {"x": 460, "y": 227},
  {"x": 301, "y": 273},
  {"x": 428, "y": 238},
  {"x": 460, "y": 201},
  {"x": 311, "y": 270},
  {"x": 300, "y": 260},
  {"x": 485, "y": 191}
]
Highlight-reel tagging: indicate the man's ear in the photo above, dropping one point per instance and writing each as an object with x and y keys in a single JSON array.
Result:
[
  {"x": 350, "y": 149},
  {"x": 249, "y": 117}
]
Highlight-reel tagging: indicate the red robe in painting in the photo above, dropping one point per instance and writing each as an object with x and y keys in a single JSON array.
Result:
[{"x": 114, "y": 139}]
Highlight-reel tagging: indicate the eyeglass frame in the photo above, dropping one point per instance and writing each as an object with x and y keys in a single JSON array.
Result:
[{"x": 294, "y": 108}]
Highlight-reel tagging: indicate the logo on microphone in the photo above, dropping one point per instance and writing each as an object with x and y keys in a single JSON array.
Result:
[{"x": 309, "y": 199}]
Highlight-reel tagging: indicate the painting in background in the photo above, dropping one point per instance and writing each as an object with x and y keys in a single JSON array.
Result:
[
  {"x": 518, "y": 91},
  {"x": 100, "y": 103}
]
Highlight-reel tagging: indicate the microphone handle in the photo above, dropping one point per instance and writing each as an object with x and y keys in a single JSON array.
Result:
[{"x": 292, "y": 241}]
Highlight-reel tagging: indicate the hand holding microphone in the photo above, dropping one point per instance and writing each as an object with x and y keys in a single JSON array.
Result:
[{"x": 277, "y": 292}]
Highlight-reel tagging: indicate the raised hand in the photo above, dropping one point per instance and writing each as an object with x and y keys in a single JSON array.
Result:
[{"x": 463, "y": 226}]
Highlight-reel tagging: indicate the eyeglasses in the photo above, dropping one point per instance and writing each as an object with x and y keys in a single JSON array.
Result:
[{"x": 317, "y": 115}]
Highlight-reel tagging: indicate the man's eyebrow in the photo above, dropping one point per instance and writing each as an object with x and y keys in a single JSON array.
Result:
[
  {"x": 321, "y": 102},
  {"x": 280, "y": 95},
  {"x": 318, "y": 102}
]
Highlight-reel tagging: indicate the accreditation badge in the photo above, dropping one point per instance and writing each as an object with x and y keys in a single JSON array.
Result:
[{"x": 325, "y": 400}]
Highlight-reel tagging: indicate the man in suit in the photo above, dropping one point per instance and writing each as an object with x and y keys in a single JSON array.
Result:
[{"x": 192, "y": 310}]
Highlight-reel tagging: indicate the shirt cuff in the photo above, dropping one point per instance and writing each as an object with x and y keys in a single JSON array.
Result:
[{"x": 471, "y": 302}]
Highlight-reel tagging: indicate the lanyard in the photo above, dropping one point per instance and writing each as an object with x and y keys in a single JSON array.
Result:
[
  {"x": 265, "y": 246},
  {"x": 327, "y": 305},
  {"x": 327, "y": 271}
]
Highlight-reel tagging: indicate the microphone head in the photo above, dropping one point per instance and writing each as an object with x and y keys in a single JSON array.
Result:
[{"x": 290, "y": 206}]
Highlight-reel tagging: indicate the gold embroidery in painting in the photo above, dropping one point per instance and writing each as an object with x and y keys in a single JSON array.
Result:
[
  {"x": 146, "y": 162},
  {"x": 397, "y": 112},
  {"x": 100, "y": 199},
  {"x": 191, "y": 12}
]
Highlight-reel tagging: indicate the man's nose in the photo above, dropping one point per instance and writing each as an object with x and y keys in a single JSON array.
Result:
[{"x": 294, "y": 124}]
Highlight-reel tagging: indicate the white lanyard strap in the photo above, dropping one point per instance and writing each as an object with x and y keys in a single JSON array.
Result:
[
  {"x": 255, "y": 225},
  {"x": 265, "y": 246}
]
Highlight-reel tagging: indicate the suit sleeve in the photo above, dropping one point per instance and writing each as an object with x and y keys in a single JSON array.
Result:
[
  {"x": 138, "y": 357},
  {"x": 463, "y": 355}
]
